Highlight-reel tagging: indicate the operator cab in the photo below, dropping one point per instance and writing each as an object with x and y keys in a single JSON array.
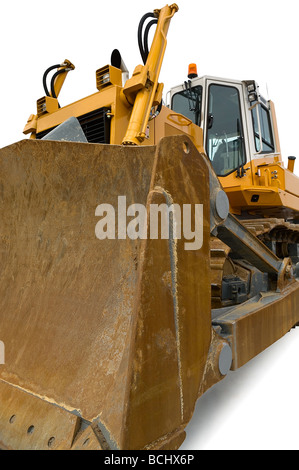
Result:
[{"x": 236, "y": 120}]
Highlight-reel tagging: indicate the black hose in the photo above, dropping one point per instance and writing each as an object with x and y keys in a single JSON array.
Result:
[
  {"x": 45, "y": 77},
  {"x": 145, "y": 37},
  {"x": 143, "y": 42},
  {"x": 139, "y": 34},
  {"x": 53, "y": 80}
]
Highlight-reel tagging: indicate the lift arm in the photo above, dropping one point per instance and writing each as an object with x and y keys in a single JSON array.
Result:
[{"x": 142, "y": 89}]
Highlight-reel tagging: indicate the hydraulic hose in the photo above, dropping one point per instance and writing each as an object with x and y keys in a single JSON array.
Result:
[
  {"x": 139, "y": 34},
  {"x": 143, "y": 42},
  {"x": 53, "y": 80},
  {"x": 46, "y": 75},
  {"x": 145, "y": 37}
]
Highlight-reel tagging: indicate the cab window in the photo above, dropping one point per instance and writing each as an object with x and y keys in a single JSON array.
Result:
[
  {"x": 188, "y": 103},
  {"x": 263, "y": 143},
  {"x": 224, "y": 142}
]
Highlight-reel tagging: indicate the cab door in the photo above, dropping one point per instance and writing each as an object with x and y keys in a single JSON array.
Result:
[{"x": 226, "y": 128}]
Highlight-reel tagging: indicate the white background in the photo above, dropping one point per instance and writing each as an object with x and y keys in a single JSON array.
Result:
[{"x": 257, "y": 406}]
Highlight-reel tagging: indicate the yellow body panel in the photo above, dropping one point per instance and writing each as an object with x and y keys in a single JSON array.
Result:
[{"x": 268, "y": 188}]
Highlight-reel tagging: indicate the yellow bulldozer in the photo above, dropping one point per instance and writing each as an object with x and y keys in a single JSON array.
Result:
[{"x": 146, "y": 251}]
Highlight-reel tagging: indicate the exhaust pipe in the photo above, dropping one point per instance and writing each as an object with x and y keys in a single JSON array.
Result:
[{"x": 117, "y": 61}]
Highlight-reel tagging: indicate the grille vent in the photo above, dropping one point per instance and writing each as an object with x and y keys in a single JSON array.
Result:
[{"x": 95, "y": 125}]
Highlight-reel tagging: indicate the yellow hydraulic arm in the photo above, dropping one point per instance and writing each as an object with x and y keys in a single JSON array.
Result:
[
  {"x": 60, "y": 77},
  {"x": 142, "y": 89},
  {"x": 49, "y": 103}
]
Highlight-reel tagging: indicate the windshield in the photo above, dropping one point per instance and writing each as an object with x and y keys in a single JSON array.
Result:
[{"x": 188, "y": 102}]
